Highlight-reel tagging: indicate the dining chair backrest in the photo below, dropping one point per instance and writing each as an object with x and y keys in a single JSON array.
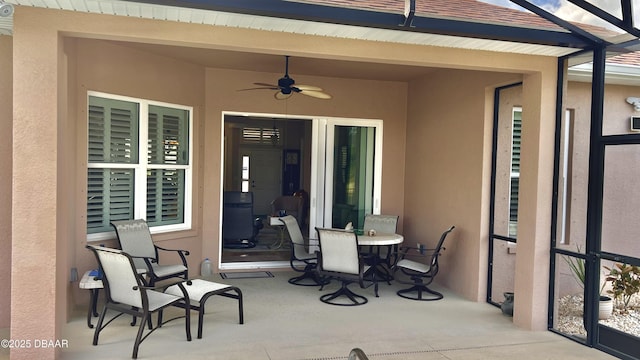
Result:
[
  {"x": 339, "y": 250},
  {"x": 123, "y": 285},
  {"x": 135, "y": 239},
  {"x": 439, "y": 247},
  {"x": 295, "y": 235},
  {"x": 381, "y": 223}
]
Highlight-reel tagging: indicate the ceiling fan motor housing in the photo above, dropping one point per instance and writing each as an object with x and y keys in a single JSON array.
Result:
[{"x": 285, "y": 84}]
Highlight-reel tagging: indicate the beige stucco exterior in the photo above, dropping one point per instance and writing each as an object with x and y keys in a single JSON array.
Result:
[{"x": 436, "y": 151}]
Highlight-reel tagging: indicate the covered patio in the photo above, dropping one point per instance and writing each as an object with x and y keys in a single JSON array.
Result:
[
  {"x": 433, "y": 91},
  {"x": 288, "y": 322}
]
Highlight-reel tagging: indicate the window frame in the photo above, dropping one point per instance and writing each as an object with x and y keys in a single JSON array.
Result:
[
  {"x": 513, "y": 174},
  {"x": 140, "y": 168}
]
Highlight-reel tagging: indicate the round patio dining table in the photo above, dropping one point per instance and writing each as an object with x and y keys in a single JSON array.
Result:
[{"x": 380, "y": 239}]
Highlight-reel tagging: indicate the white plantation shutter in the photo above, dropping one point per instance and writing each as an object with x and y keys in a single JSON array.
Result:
[
  {"x": 113, "y": 131},
  {"x": 115, "y": 167},
  {"x": 168, "y": 144},
  {"x": 165, "y": 196},
  {"x": 516, "y": 137}
]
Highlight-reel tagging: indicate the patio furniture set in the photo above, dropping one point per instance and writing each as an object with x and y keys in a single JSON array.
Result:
[
  {"x": 130, "y": 277},
  {"x": 136, "y": 284},
  {"x": 364, "y": 256}
]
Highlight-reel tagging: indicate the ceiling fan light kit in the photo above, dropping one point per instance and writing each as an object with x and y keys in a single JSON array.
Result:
[{"x": 287, "y": 87}]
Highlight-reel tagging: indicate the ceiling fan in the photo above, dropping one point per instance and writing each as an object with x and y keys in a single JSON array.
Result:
[{"x": 286, "y": 87}]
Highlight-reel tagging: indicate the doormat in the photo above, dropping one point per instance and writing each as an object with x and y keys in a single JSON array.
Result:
[{"x": 246, "y": 275}]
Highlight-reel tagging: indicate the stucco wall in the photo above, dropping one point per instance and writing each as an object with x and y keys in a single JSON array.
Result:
[
  {"x": 110, "y": 68},
  {"x": 446, "y": 184},
  {"x": 6, "y": 124}
]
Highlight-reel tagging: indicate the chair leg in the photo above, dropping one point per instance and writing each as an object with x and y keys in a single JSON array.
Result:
[
  {"x": 310, "y": 274},
  {"x": 136, "y": 345},
  {"x": 418, "y": 291},
  {"x": 96, "y": 333},
  {"x": 187, "y": 321},
  {"x": 344, "y": 291}
]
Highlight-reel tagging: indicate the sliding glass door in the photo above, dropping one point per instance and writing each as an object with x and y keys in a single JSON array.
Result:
[
  {"x": 346, "y": 173},
  {"x": 339, "y": 167}
]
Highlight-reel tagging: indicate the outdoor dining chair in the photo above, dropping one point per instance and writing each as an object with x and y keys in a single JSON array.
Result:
[
  {"x": 422, "y": 273},
  {"x": 339, "y": 259},
  {"x": 385, "y": 254},
  {"x": 135, "y": 239},
  {"x": 127, "y": 294},
  {"x": 301, "y": 259}
]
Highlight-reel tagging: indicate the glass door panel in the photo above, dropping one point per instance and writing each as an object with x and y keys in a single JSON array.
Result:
[
  {"x": 347, "y": 172},
  {"x": 353, "y": 175}
]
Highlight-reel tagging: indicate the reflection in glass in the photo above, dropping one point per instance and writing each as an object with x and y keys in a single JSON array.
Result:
[{"x": 353, "y": 174}]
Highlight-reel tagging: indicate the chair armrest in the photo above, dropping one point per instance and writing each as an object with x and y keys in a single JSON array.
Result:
[
  {"x": 405, "y": 250},
  {"x": 162, "y": 287},
  {"x": 182, "y": 253}
]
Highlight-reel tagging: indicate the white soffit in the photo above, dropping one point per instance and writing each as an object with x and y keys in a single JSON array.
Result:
[
  {"x": 618, "y": 74},
  {"x": 197, "y": 16}
]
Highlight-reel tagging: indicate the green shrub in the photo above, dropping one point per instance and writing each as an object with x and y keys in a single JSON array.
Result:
[{"x": 625, "y": 282}]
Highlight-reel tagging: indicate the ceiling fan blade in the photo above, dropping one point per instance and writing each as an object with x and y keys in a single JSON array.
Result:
[
  {"x": 280, "y": 96},
  {"x": 316, "y": 94},
  {"x": 267, "y": 85},
  {"x": 308, "y": 87},
  {"x": 259, "y": 88}
]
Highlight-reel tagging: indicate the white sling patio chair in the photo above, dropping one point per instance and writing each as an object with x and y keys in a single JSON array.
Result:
[
  {"x": 301, "y": 260},
  {"x": 422, "y": 273},
  {"x": 339, "y": 259},
  {"x": 127, "y": 294},
  {"x": 135, "y": 240}
]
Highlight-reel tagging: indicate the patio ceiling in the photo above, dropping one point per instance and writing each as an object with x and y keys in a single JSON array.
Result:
[
  {"x": 439, "y": 24},
  {"x": 397, "y": 23}
]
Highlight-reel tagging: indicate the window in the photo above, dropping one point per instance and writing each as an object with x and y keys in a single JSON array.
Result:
[
  {"x": 245, "y": 174},
  {"x": 123, "y": 183},
  {"x": 261, "y": 136},
  {"x": 516, "y": 135}
]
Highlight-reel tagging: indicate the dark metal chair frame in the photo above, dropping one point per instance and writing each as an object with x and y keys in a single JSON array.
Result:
[
  {"x": 360, "y": 277},
  {"x": 422, "y": 274},
  {"x": 110, "y": 281},
  {"x": 299, "y": 254},
  {"x": 150, "y": 257}
]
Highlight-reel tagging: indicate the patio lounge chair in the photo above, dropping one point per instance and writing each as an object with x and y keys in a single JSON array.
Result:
[
  {"x": 135, "y": 239},
  {"x": 127, "y": 294}
]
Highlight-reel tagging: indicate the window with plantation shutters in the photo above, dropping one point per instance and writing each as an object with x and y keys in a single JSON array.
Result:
[
  {"x": 516, "y": 135},
  {"x": 124, "y": 184}
]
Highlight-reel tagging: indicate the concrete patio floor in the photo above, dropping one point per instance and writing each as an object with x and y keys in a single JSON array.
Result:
[{"x": 287, "y": 322}]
